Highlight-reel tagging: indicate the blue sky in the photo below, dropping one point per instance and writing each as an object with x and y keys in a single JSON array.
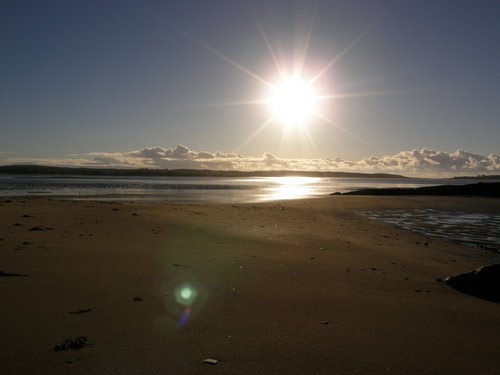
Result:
[{"x": 80, "y": 77}]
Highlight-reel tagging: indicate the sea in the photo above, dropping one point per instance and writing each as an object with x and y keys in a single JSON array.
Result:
[
  {"x": 198, "y": 189},
  {"x": 475, "y": 229}
]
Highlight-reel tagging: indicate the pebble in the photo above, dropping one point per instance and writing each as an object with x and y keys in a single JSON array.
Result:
[
  {"x": 72, "y": 344},
  {"x": 211, "y": 361}
]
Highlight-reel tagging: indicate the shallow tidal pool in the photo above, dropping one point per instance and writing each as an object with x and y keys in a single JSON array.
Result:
[{"x": 472, "y": 229}]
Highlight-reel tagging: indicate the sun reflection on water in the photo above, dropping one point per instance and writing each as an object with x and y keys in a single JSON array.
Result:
[{"x": 290, "y": 187}]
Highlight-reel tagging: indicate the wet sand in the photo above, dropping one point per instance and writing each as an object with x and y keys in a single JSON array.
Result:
[{"x": 295, "y": 287}]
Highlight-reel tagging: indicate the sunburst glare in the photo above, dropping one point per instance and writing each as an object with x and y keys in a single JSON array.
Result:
[{"x": 293, "y": 101}]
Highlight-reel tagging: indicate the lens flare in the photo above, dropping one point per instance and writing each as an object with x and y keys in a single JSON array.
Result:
[
  {"x": 185, "y": 294},
  {"x": 184, "y": 319}
]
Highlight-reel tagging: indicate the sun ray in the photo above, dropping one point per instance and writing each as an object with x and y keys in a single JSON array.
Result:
[
  {"x": 338, "y": 126},
  {"x": 230, "y": 61},
  {"x": 310, "y": 141},
  {"x": 348, "y": 95},
  {"x": 282, "y": 141},
  {"x": 267, "y": 41},
  {"x": 348, "y": 47},
  {"x": 307, "y": 40},
  {"x": 235, "y": 103},
  {"x": 338, "y": 57},
  {"x": 255, "y": 133}
]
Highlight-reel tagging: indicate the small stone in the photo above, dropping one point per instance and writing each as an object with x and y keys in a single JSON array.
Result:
[
  {"x": 81, "y": 311},
  {"x": 211, "y": 361},
  {"x": 72, "y": 344},
  {"x": 137, "y": 299},
  {"x": 36, "y": 229},
  {"x": 180, "y": 265},
  {"x": 325, "y": 322}
]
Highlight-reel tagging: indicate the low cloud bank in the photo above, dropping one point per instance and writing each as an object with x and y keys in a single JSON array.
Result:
[{"x": 413, "y": 163}]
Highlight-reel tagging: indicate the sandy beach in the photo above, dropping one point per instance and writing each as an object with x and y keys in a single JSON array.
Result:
[{"x": 291, "y": 287}]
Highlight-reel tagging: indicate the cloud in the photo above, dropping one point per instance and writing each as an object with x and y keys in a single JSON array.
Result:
[
  {"x": 434, "y": 162},
  {"x": 423, "y": 162}
]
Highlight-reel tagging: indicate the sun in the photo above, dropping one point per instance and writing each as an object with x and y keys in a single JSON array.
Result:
[{"x": 292, "y": 101}]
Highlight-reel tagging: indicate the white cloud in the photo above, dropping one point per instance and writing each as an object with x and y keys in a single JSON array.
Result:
[{"x": 414, "y": 163}]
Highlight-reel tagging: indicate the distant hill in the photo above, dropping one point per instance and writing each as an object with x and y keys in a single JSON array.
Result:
[
  {"x": 481, "y": 189},
  {"x": 47, "y": 170},
  {"x": 479, "y": 177}
]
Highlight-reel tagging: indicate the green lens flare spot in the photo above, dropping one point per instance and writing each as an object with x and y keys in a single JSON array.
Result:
[{"x": 186, "y": 293}]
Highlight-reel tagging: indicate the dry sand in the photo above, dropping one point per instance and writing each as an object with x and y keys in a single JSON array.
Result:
[{"x": 297, "y": 287}]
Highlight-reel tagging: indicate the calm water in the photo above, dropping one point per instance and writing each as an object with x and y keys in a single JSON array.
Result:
[{"x": 195, "y": 189}]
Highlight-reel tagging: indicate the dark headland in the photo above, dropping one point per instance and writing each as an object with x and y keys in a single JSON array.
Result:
[
  {"x": 480, "y": 189},
  {"x": 150, "y": 172}
]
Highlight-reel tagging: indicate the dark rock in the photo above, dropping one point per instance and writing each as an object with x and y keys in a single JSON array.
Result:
[
  {"x": 481, "y": 189},
  {"x": 483, "y": 282},
  {"x": 137, "y": 299},
  {"x": 72, "y": 344}
]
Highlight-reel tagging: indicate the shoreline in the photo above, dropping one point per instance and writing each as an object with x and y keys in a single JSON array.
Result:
[{"x": 291, "y": 287}]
